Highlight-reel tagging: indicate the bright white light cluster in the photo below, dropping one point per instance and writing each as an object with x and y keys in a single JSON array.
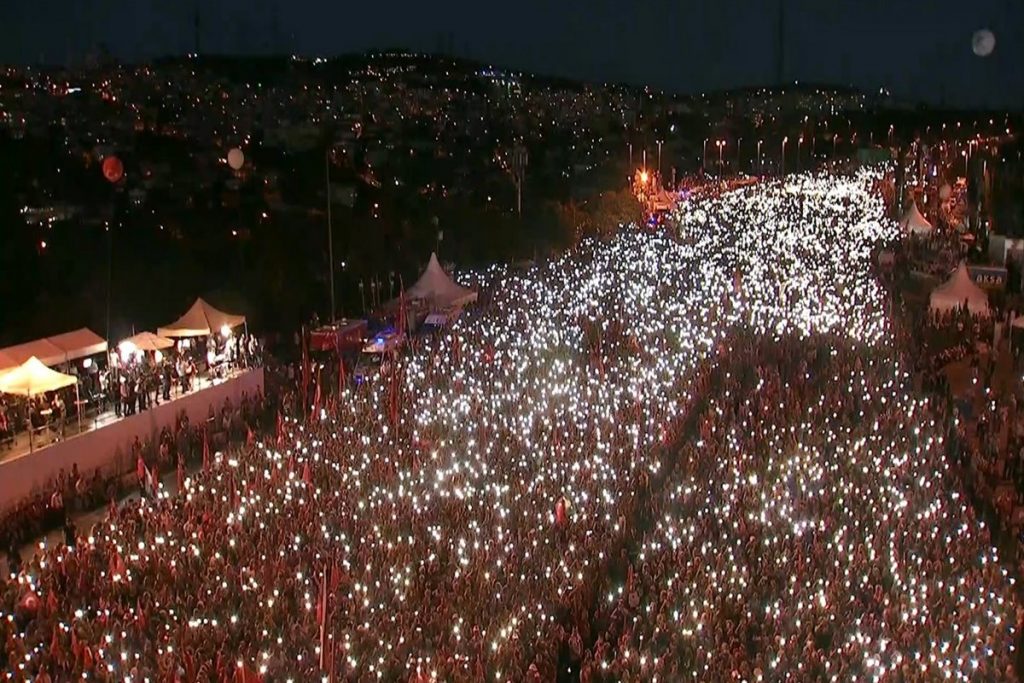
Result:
[
  {"x": 805, "y": 525},
  {"x": 802, "y": 251}
]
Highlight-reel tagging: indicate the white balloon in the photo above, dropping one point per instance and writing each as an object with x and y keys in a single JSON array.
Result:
[
  {"x": 983, "y": 42},
  {"x": 236, "y": 158}
]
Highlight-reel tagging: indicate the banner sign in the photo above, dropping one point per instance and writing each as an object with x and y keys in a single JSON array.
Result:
[{"x": 989, "y": 277}]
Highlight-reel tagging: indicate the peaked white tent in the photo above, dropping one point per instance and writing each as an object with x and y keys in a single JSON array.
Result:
[
  {"x": 439, "y": 290},
  {"x": 200, "y": 320},
  {"x": 960, "y": 288},
  {"x": 914, "y": 222}
]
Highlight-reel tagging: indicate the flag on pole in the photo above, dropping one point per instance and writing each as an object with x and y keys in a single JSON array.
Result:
[
  {"x": 206, "y": 449},
  {"x": 316, "y": 395},
  {"x": 322, "y": 610},
  {"x": 305, "y": 374},
  {"x": 341, "y": 372},
  {"x": 150, "y": 481}
]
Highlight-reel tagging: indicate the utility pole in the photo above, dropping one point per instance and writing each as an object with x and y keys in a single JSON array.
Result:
[
  {"x": 330, "y": 227},
  {"x": 196, "y": 26},
  {"x": 780, "y": 66}
]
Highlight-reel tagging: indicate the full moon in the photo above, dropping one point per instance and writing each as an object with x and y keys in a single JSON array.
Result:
[{"x": 983, "y": 42}]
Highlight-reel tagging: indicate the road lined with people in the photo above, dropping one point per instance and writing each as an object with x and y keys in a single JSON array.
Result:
[{"x": 696, "y": 456}]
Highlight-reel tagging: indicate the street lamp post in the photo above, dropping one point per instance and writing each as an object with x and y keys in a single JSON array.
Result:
[
  {"x": 659, "y": 157},
  {"x": 330, "y": 228},
  {"x": 782, "y": 164},
  {"x": 704, "y": 157},
  {"x": 835, "y": 138},
  {"x": 721, "y": 146},
  {"x": 759, "y": 167},
  {"x": 799, "y": 144},
  {"x": 739, "y": 142}
]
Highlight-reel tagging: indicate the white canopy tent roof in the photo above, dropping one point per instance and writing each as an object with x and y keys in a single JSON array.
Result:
[
  {"x": 200, "y": 320},
  {"x": 915, "y": 222},
  {"x": 438, "y": 289},
  {"x": 146, "y": 341},
  {"x": 6, "y": 363},
  {"x": 960, "y": 288},
  {"x": 32, "y": 378},
  {"x": 60, "y": 348}
]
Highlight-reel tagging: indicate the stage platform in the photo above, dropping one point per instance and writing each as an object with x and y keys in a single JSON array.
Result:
[{"x": 108, "y": 445}]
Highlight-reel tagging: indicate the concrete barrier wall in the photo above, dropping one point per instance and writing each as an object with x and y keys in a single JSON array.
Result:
[{"x": 109, "y": 447}]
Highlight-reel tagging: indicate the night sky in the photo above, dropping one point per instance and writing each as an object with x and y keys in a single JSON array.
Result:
[{"x": 921, "y": 49}]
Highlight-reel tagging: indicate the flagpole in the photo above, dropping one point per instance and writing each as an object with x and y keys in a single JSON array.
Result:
[{"x": 323, "y": 618}]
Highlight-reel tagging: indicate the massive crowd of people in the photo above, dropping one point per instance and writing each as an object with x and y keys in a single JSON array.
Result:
[{"x": 687, "y": 457}]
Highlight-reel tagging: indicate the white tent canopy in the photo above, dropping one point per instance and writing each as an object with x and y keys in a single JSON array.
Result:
[
  {"x": 146, "y": 341},
  {"x": 957, "y": 290},
  {"x": 200, "y": 320},
  {"x": 435, "y": 287},
  {"x": 32, "y": 378},
  {"x": 60, "y": 348},
  {"x": 914, "y": 222}
]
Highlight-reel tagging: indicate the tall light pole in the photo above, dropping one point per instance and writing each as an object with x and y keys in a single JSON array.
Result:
[
  {"x": 782, "y": 165},
  {"x": 799, "y": 144},
  {"x": 739, "y": 142},
  {"x": 835, "y": 139},
  {"x": 659, "y": 157},
  {"x": 330, "y": 227},
  {"x": 721, "y": 146},
  {"x": 759, "y": 167},
  {"x": 704, "y": 157},
  {"x": 520, "y": 158}
]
